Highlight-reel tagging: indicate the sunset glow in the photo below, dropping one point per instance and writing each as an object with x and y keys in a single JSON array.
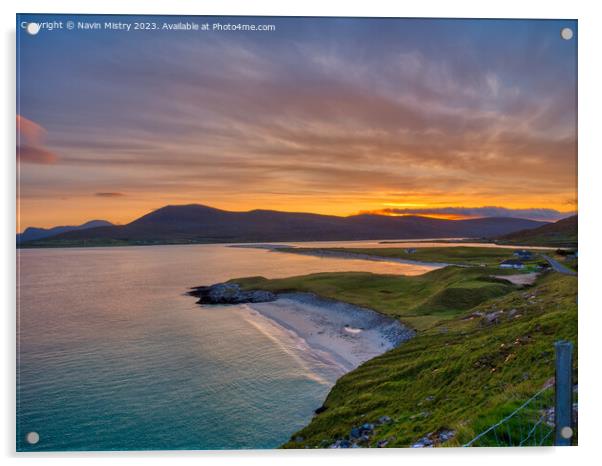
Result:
[{"x": 333, "y": 117}]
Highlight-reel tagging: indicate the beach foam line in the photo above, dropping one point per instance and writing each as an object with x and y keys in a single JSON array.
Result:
[
  {"x": 333, "y": 332},
  {"x": 318, "y": 365}
]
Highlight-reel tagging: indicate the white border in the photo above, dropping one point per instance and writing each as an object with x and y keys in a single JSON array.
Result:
[{"x": 590, "y": 152}]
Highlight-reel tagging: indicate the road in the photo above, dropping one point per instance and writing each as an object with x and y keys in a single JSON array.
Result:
[{"x": 558, "y": 266}]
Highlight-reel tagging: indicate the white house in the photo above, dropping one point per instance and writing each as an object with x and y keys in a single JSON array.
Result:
[{"x": 512, "y": 264}]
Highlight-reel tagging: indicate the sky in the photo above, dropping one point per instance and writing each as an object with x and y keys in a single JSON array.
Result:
[{"x": 446, "y": 118}]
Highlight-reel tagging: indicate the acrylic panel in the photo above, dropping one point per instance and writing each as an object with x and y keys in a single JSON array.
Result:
[{"x": 298, "y": 232}]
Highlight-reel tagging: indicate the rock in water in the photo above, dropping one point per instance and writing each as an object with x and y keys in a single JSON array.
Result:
[
  {"x": 321, "y": 409},
  {"x": 224, "y": 293},
  {"x": 230, "y": 293}
]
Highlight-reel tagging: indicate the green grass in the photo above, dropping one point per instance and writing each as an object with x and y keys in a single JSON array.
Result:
[
  {"x": 459, "y": 372},
  {"x": 569, "y": 241},
  {"x": 563, "y": 233},
  {"x": 571, "y": 263},
  {"x": 419, "y": 301},
  {"x": 458, "y": 255}
]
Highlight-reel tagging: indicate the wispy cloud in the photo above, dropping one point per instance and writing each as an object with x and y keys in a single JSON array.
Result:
[
  {"x": 33, "y": 154},
  {"x": 334, "y": 116},
  {"x": 109, "y": 194},
  {"x": 30, "y": 143}
]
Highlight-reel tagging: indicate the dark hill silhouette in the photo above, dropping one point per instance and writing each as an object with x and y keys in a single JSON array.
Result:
[
  {"x": 199, "y": 223},
  {"x": 34, "y": 233},
  {"x": 561, "y": 233}
]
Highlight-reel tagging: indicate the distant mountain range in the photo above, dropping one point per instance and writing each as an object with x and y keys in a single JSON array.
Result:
[
  {"x": 201, "y": 224},
  {"x": 562, "y": 233},
  {"x": 33, "y": 233}
]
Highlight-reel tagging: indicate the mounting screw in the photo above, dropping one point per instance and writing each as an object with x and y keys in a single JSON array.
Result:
[
  {"x": 566, "y": 432},
  {"x": 32, "y": 438}
]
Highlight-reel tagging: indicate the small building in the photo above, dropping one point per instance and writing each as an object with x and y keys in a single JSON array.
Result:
[
  {"x": 523, "y": 254},
  {"x": 512, "y": 264}
]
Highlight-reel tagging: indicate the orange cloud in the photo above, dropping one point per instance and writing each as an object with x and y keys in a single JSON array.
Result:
[
  {"x": 30, "y": 131},
  {"x": 30, "y": 143},
  {"x": 33, "y": 154}
]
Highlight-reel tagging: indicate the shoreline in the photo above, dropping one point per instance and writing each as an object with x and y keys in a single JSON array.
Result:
[
  {"x": 350, "y": 334},
  {"x": 317, "y": 364},
  {"x": 331, "y": 338},
  {"x": 333, "y": 335},
  {"x": 351, "y": 255}
]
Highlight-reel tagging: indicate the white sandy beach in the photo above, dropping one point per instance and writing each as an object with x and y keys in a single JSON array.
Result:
[{"x": 347, "y": 334}]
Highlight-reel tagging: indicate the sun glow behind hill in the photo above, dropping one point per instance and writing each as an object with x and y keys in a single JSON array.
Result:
[
  {"x": 467, "y": 213},
  {"x": 433, "y": 215},
  {"x": 437, "y": 113}
]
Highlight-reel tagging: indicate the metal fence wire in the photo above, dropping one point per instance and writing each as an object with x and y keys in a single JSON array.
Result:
[
  {"x": 531, "y": 424},
  {"x": 544, "y": 419}
]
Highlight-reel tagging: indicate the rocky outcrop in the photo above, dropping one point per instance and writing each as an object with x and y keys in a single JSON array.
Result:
[
  {"x": 230, "y": 293},
  {"x": 434, "y": 439},
  {"x": 361, "y": 436}
]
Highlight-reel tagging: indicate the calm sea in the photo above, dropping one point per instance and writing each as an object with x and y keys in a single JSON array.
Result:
[{"x": 112, "y": 355}]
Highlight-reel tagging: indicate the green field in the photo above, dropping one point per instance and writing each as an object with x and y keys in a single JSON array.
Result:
[
  {"x": 457, "y": 255},
  {"x": 418, "y": 301},
  {"x": 461, "y": 372}
]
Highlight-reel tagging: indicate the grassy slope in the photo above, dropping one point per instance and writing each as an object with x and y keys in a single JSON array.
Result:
[
  {"x": 461, "y": 255},
  {"x": 458, "y": 373},
  {"x": 419, "y": 301},
  {"x": 571, "y": 263},
  {"x": 563, "y": 233}
]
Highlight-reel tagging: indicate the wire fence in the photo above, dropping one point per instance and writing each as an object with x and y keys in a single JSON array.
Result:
[
  {"x": 547, "y": 418},
  {"x": 530, "y": 424}
]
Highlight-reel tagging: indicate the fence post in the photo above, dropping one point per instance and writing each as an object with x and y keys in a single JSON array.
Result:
[{"x": 563, "y": 409}]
